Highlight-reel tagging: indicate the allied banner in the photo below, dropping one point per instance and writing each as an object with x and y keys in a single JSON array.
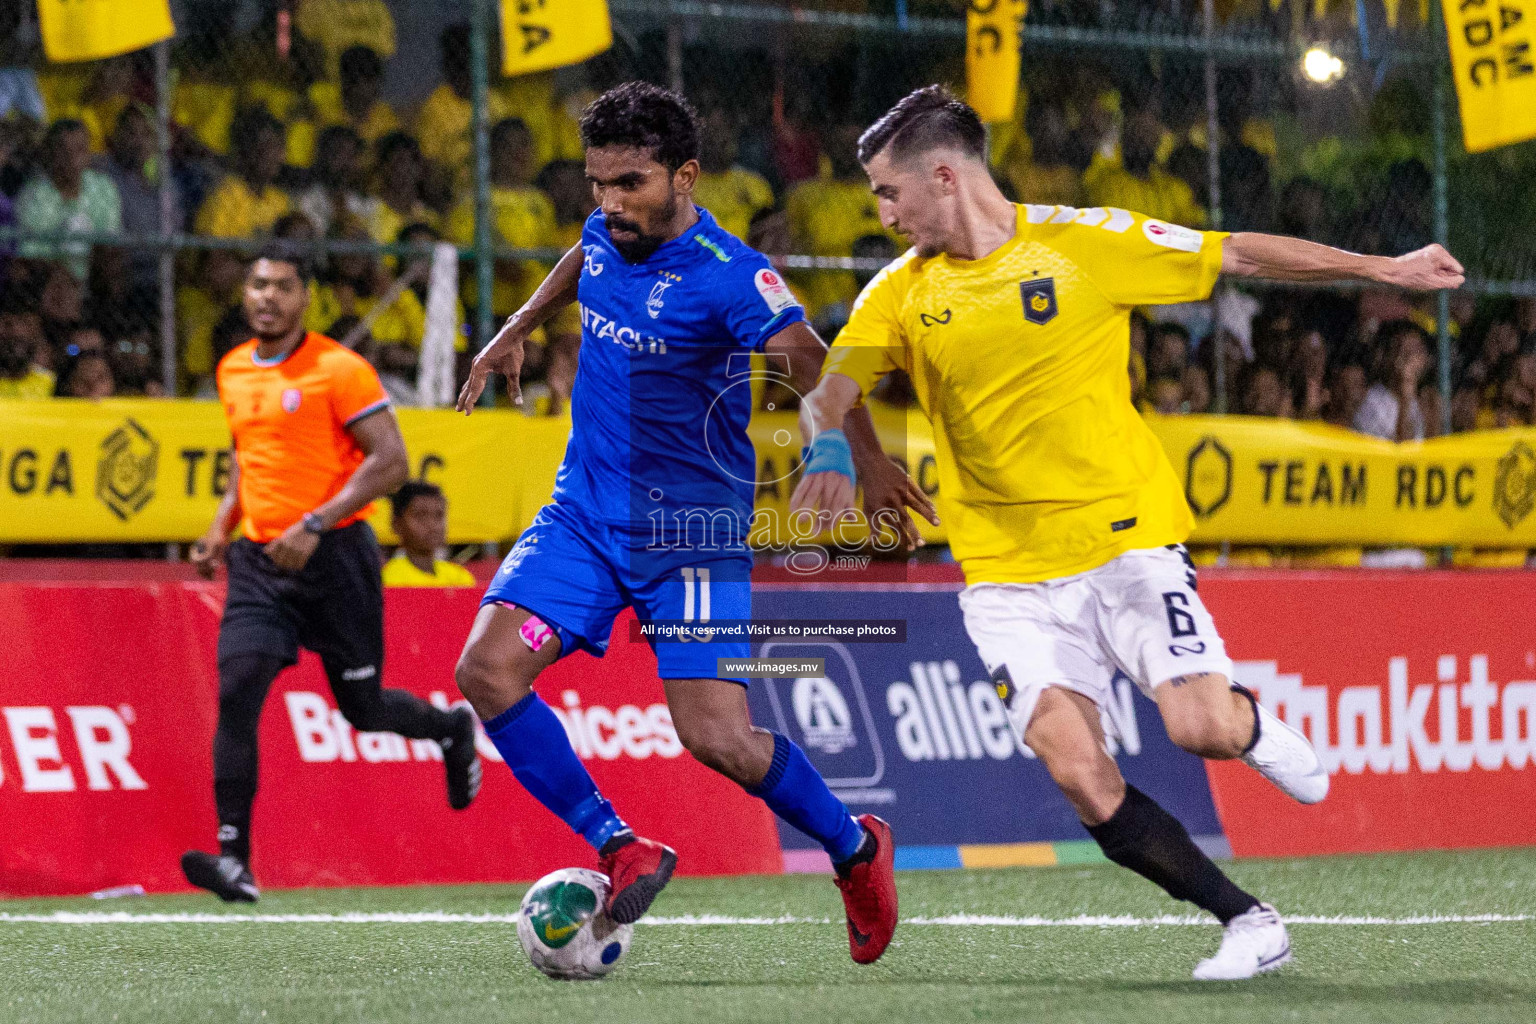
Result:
[
  {"x": 552, "y": 33},
  {"x": 75, "y": 30},
  {"x": 106, "y": 763},
  {"x": 992, "y": 48},
  {"x": 1262, "y": 481},
  {"x": 916, "y": 733},
  {"x": 1493, "y": 57}
]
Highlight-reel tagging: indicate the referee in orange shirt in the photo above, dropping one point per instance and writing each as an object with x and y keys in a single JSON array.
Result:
[{"x": 315, "y": 444}]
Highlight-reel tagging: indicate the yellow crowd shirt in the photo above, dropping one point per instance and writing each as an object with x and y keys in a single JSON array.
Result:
[
  {"x": 826, "y": 217},
  {"x": 734, "y": 196},
  {"x": 399, "y": 572},
  {"x": 1019, "y": 361},
  {"x": 234, "y": 211}
]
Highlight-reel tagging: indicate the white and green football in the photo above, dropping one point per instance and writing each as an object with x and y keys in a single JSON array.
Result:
[{"x": 563, "y": 929}]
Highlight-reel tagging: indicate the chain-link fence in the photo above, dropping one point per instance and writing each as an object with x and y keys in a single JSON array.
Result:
[{"x": 372, "y": 130}]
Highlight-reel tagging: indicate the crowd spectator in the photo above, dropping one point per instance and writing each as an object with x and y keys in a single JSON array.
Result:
[
  {"x": 89, "y": 376},
  {"x": 130, "y": 150},
  {"x": 355, "y": 100},
  {"x": 1139, "y": 183},
  {"x": 399, "y": 181},
  {"x": 21, "y": 338},
  {"x": 66, "y": 197},
  {"x": 1392, "y": 408},
  {"x": 339, "y": 25},
  {"x": 337, "y": 185},
  {"x": 247, "y": 201},
  {"x": 828, "y": 213},
  {"x": 522, "y": 217},
  {"x": 732, "y": 193}
]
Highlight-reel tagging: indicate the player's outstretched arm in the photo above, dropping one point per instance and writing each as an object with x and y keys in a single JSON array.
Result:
[
  {"x": 888, "y": 491},
  {"x": 1278, "y": 258},
  {"x": 208, "y": 552},
  {"x": 504, "y": 354}
]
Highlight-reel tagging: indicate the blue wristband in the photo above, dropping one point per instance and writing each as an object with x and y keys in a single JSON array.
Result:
[{"x": 830, "y": 453}]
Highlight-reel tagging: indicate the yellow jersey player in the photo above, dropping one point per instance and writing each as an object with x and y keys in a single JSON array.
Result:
[{"x": 1013, "y": 323}]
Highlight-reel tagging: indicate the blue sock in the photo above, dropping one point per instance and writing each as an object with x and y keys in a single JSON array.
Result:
[
  {"x": 798, "y": 794},
  {"x": 534, "y": 744}
]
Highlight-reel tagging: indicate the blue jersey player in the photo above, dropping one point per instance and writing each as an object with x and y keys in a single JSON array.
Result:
[{"x": 652, "y": 502}]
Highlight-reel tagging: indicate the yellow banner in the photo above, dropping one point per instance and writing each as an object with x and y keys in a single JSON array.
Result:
[
  {"x": 537, "y": 35},
  {"x": 92, "y": 29},
  {"x": 1493, "y": 55},
  {"x": 144, "y": 470},
  {"x": 1260, "y": 481},
  {"x": 992, "y": 57}
]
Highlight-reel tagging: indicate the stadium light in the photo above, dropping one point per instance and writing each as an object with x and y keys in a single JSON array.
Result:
[{"x": 1321, "y": 67}]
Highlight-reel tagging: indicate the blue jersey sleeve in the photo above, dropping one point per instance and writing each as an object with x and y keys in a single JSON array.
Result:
[{"x": 758, "y": 302}]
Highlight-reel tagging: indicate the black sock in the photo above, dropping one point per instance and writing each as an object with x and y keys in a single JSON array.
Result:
[
  {"x": 233, "y": 798},
  {"x": 866, "y": 852},
  {"x": 243, "y": 683},
  {"x": 1142, "y": 836}
]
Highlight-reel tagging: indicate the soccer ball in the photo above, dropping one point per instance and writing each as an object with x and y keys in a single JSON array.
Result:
[{"x": 563, "y": 929}]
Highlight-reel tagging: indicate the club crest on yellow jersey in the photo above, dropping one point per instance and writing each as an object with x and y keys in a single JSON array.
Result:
[{"x": 1039, "y": 299}]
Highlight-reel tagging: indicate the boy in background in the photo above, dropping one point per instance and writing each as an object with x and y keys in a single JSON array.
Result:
[{"x": 420, "y": 518}]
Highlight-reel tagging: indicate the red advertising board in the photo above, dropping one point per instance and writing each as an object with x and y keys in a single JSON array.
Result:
[
  {"x": 107, "y": 710},
  {"x": 1418, "y": 689}
]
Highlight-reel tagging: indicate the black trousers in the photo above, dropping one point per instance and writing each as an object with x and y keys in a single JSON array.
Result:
[{"x": 334, "y": 606}]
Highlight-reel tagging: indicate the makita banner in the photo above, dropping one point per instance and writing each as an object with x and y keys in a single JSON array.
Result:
[
  {"x": 1417, "y": 688},
  {"x": 107, "y": 711},
  {"x": 915, "y": 732}
]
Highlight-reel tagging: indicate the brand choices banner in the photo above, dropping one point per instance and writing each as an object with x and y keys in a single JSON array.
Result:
[{"x": 107, "y": 713}]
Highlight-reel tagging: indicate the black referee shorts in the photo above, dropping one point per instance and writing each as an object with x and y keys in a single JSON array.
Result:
[{"x": 334, "y": 606}]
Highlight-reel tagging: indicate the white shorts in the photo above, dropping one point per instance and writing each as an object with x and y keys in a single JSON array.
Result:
[{"x": 1138, "y": 612}]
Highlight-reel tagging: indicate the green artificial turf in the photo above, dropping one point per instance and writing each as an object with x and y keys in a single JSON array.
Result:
[{"x": 475, "y": 971}]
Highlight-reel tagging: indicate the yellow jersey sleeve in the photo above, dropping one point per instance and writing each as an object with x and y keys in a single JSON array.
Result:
[
  {"x": 872, "y": 343},
  {"x": 1132, "y": 259}
]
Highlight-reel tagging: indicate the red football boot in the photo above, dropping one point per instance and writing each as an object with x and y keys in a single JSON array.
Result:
[
  {"x": 869, "y": 896},
  {"x": 637, "y": 872}
]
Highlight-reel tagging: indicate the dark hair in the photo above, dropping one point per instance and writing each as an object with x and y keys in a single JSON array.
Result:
[
  {"x": 58, "y": 129},
  {"x": 409, "y": 492},
  {"x": 643, "y": 116},
  {"x": 280, "y": 251},
  {"x": 331, "y": 133},
  {"x": 395, "y": 141},
  {"x": 928, "y": 118},
  {"x": 416, "y": 227},
  {"x": 506, "y": 126},
  {"x": 360, "y": 62}
]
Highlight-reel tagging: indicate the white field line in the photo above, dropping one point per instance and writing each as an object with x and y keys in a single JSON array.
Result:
[{"x": 705, "y": 920}]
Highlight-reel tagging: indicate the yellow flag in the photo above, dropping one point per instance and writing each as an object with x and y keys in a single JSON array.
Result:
[
  {"x": 1493, "y": 55},
  {"x": 92, "y": 29},
  {"x": 540, "y": 34},
  {"x": 992, "y": 56}
]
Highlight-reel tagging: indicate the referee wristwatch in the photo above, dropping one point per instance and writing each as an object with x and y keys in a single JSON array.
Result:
[{"x": 313, "y": 523}]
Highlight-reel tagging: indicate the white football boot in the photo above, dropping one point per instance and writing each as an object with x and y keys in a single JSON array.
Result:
[
  {"x": 1254, "y": 942},
  {"x": 1283, "y": 756}
]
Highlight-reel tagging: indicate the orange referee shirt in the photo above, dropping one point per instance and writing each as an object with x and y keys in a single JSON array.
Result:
[{"x": 290, "y": 421}]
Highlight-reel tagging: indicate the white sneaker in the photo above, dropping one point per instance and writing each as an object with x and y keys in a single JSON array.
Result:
[
  {"x": 1254, "y": 942},
  {"x": 1284, "y": 757}
]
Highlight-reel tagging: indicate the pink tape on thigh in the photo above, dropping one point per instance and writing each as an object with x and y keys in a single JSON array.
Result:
[{"x": 535, "y": 633}]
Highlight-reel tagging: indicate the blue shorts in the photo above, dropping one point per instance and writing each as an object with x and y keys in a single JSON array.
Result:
[{"x": 577, "y": 574}]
